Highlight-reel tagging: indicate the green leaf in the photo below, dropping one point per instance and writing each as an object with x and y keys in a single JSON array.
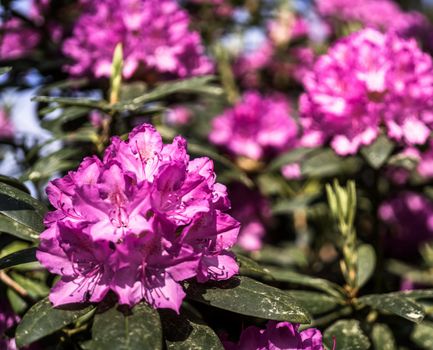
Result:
[
  {"x": 184, "y": 332},
  {"x": 395, "y": 304},
  {"x": 68, "y": 114},
  {"x": 378, "y": 152},
  {"x": 35, "y": 289},
  {"x": 47, "y": 166},
  {"x": 285, "y": 275},
  {"x": 326, "y": 163},
  {"x": 315, "y": 303},
  {"x": 14, "y": 183},
  {"x": 200, "y": 150},
  {"x": 348, "y": 336},
  {"x": 415, "y": 294},
  {"x": 4, "y": 70},
  {"x": 137, "y": 329},
  {"x": 11, "y": 226},
  {"x": 194, "y": 85},
  {"x": 286, "y": 255},
  {"x": 292, "y": 156},
  {"x": 288, "y": 206},
  {"x": 365, "y": 264},
  {"x": 248, "y": 267},
  {"x": 21, "y": 257},
  {"x": 246, "y": 296},
  {"x": 22, "y": 208},
  {"x": 42, "y": 320},
  {"x": 74, "y": 101},
  {"x": 382, "y": 337},
  {"x": 422, "y": 335}
]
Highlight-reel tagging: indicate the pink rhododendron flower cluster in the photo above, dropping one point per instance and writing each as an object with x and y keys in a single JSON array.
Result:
[
  {"x": 138, "y": 222},
  {"x": 378, "y": 14},
  {"x": 155, "y": 35},
  {"x": 17, "y": 39},
  {"x": 409, "y": 223},
  {"x": 256, "y": 127},
  {"x": 6, "y": 127},
  {"x": 365, "y": 80},
  {"x": 253, "y": 211},
  {"x": 277, "y": 336}
]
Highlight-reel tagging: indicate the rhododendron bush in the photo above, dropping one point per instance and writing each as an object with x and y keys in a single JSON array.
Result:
[{"x": 216, "y": 174}]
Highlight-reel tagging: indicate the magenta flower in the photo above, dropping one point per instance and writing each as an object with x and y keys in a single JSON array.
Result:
[
  {"x": 155, "y": 35},
  {"x": 253, "y": 211},
  {"x": 6, "y": 127},
  {"x": 408, "y": 223},
  {"x": 17, "y": 40},
  {"x": 277, "y": 336},
  {"x": 256, "y": 127},
  {"x": 365, "y": 80},
  {"x": 8, "y": 319},
  {"x": 138, "y": 223}
]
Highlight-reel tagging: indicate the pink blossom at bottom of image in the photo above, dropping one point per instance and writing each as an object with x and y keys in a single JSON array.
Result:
[{"x": 277, "y": 336}]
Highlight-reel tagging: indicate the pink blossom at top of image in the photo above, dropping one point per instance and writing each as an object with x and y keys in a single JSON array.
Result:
[
  {"x": 17, "y": 39},
  {"x": 155, "y": 35},
  {"x": 138, "y": 222},
  {"x": 256, "y": 127},
  {"x": 364, "y": 80}
]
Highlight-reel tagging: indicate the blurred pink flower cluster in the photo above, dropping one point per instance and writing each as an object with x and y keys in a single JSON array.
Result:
[
  {"x": 17, "y": 39},
  {"x": 155, "y": 35},
  {"x": 409, "y": 223},
  {"x": 365, "y": 80},
  {"x": 6, "y": 127},
  {"x": 137, "y": 223},
  {"x": 256, "y": 127},
  {"x": 277, "y": 336},
  {"x": 7, "y": 320}
]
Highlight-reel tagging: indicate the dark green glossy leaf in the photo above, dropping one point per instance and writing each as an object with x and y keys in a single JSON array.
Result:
[
  {"x": 395, "y": 304},
  {"x": 21, "y": 257},
  {"x": 248, "y": 267},
  {"x": 315, "y": 303},
  {"x": 366, "y": 264},
  {"x": 382, "y": 337},
  {"x": 184, "y": 332},
  {"x": 284, "y": 256},
  {"x": 130, "y": 330},
  {"x": 415, "y": 294},
  {"x": 14, "y": 183},
  {"x": 42, "y": 320},
  {"x": 378, "y": 152},
  {"x": 13, "y": 227},
  {"x": 285, "y": 275},
  {"x": 22, "y": 208},
  {"x": 348, "y": 336},
  {"x": 422, "y": 335},
  {"x": 246, "y": 296}
]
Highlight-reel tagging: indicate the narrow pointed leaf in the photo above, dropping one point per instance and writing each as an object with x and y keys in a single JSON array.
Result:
[
  {"x": 366, "y": 264},
  {"x": 246, "y": 296},
  {"x": 314, "y": 302},
  {"x": 21, "y": 207},
  {"x": 42, "y": 320},
  {"x": 248, "y": 267},
  {"x": 21, "y": 257}
]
